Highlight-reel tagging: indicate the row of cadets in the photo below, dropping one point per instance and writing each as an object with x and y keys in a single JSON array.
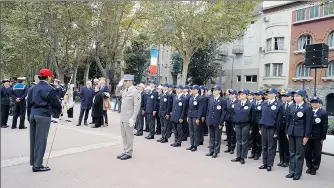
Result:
[
  {"x": 5, "y": 102},
  {"x": 165, "y": 108},
  {"x": 215, "y": 116}
]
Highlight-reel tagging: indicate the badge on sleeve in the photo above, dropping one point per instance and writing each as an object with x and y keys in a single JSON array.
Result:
[
  {"x": 317, "y": 120},
  {"x": 273, "y": 107},
  {"x": 219, "y": 107},
  {"x": 165, "y": 100},
  {"x": 259, "y": 107},
  {"x": 232, "y": 105},
  {"x": 195, "y": 103},
  {"x": 152, "y": 97},
  {"x": 180, "y": 103},
  {"x": 246, "y": 107},
  {"x": 300, "y": 114}
]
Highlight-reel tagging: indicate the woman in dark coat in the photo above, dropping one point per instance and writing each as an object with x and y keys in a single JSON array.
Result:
[{"x": 97, "y": 109}]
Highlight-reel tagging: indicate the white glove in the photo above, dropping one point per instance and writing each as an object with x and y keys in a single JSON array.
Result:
[
  {"x": 131, "y": 122},
  {"x": 120, "y": 83}
]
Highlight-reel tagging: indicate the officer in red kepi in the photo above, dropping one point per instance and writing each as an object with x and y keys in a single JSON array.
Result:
[{"x": 42, "y": 102}]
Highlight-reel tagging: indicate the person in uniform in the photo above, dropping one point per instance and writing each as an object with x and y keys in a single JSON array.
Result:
[
  {"x": 244, "y": 115},
  {"x": 250, "y": 97},
  {"x": 86, "y": 97},
  {"x": 186, "y": 124},
  {"x": 157, "y": 117},
  {"x": 283, "y": 143},
  {"x": 204, "y": 128},
  {"x": 195, "y": 112},
  {"x": 256, "y": 136},
  {"x": 171, "y": 96},
  {"x": 147, "y": 125},
  {"x": 19, "y": 95},
  {"x": 299, "y": 131},
  {"x": 42, "y": 101},
  {"x": 178, "y": 116},
  {"x": 5, "y": 102},
  {"x": 164, "y": 113},
  {"x": 215, "y": 117},
  {"x": 270, "y": 121},
  {"x": 60, "y": 94},
  {"x": 152, "y": 99},
  {"x": 131, "y": 99},
  {"x": 318, "y": 135},
  {"x": 230, "y": 132},
  {"x": 97, "y": 107},
  {"x": 141, "y": 113}
]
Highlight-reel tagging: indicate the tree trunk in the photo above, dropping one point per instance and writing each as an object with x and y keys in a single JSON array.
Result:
[
  {"x": 75, "y": 74},
  {"x": 86, "y": 74},
  {"x": 103, "y": 71},
  {"x": 186, "y": 61}
]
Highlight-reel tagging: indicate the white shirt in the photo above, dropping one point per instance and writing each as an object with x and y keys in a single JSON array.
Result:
[
  {"x": 195, "y": 95},
  {"x": 258, "y": 102},
  {"x": 271, "y": 101},
  {"x": 243, "y": 102},
  {"x": 179, "y": 96},
  {"x": 315, "y": 110}
]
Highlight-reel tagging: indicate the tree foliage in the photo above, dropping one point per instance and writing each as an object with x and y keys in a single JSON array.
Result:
[
  {"x": 177, "y": 63},
  {"x": 189, "y": 26},
  {"x": 203, "y": 65},
  {"x": 136, "y": 58}
]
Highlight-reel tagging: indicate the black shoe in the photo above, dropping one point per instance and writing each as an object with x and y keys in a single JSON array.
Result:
[
  {"x": 227, "y": 151},
  {"x": 214, "y": 155},
  {"x": 40, "y": 169},
  {"x": 280, "y": 164},
  {"x": 78, "y": 125},
  {"x": 225, "y": 140},
  {"x": 296, "y": 178},
  {"x": 263, "y": 167},
  {"x": 139, "y": 134},
  {"x": 13, "y": 127},
  {"x": 185, "y": 139},
  {"x": 313, "y": 172},
  {"x": 251, "y": 157},
  {"x": 92, "y": 123},
  {"x": 125, "y": 157},
  {"x": 201, "y": 143},
  {"x": 173, "y": 144},
  {"x": 269, "y": 168},
  {"x": 209, "y": 154},
  {"x": 160, "y": 140},
  {"x": 256, "y": 157},
  {"x": 232, "y": 152},
  {"x": 164, "y": 141},
  {"x": 85, "y": 123},
  {"x": 94, "y": 126},
  {"x": 308, "y": 171},
  {"x": 150, "y": 137},
  {"x": 284, "y": 165},
  {"x": 176, "y": 145},
  {"x": 242, "y": 161},
  {"x": 290, "y": 176},
  {"x": 120, "y": 156},
  {"x": 22, "y": 127},
  {"x": 158, "y": 133},
  {"x": 190, "y": 148},
  {"x": 236, "y": 160},
  {"x": 194, "y": 148},
  {"x": 4, "y": 126}
]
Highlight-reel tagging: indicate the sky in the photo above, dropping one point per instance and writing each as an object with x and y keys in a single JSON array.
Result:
[{"x": 273, "y": 3}]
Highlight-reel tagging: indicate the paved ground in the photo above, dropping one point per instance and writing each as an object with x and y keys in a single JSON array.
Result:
[{"x": 86, "y": 158}]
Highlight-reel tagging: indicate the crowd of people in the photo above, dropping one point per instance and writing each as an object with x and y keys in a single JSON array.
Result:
[{"x": 255, "y": 121}]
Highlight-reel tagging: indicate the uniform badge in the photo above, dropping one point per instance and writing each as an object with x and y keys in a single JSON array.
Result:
[
  {"x": 152, "y": 97},
  {"x": 158, "y": 97},
  {"x": 165, "y": 100},
  {"x": 180, "y": 103},
  {"x": 317, "y": 120},
  {"x": 195, "y": 103},
  {"x": 273, "y": 107},
  {"x": 219, "y": 107},
  {"x": 300, "y": 114},
  {"x": 246, "y": 107},
  {"x": 232, "y": 105},
  {"x": 259, "y": 107}
]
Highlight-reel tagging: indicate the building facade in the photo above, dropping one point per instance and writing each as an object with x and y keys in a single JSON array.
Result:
[{"x": 311, "y": 24}]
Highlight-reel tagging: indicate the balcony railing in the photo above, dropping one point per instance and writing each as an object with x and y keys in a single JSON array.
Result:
[{"x": 238, "y": 49}]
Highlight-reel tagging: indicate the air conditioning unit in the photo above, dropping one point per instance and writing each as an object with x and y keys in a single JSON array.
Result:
[{"x": 265, "y": 19}]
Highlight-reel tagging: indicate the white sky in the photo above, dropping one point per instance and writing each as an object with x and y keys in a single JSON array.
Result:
[{"x": 273, "y": 3}]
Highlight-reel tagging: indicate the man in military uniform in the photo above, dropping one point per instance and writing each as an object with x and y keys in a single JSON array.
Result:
[
  {"x": 130, "y": 107},
  {"x": 256, "y": 136},
  {"x": 186, "y": 124},
  {"x": 19, "y": 95},
  {"x": 230, "y": 133},
  {"x": 5, "y": 102},
  {"x": 151, "y": 103},
  {"x": 164, "y": 113}
]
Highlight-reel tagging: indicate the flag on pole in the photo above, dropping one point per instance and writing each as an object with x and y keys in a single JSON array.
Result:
[{"x": 154, "y": 61}]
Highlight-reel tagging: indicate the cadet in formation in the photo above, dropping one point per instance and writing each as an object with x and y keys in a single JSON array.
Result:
[
  {"x": 19, "y": 94},
  {"x": 5, "y": 102}
]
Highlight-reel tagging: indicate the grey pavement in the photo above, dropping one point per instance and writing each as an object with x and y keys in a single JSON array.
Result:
[{"x": 83, "y": 157}]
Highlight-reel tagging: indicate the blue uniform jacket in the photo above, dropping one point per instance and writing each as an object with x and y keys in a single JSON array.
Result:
[
  {"x": 179, "y": 108},
  {"x": 86, "y": 97},
  {"x": 300, "y": 121},
  {"x": 5, "y": 95},
  {"x": 216, "y": 112},
  {"x": 60, "y": 92},
  {"x": 43, "y": 100},
  {"x": 164, "y": 107},
  {"x": 196, "y": 107},
  {"x": 143, "y": 101},
  {"x": 230, "y": 109},
  {"x": 258, "y": 111},
  {"x": 205, "y": 105},
  {"x": 151, "y": 103},
  {"x": 271, "y": 114},
  {"x": 19, "y": 91},
  {"x": 187, "y": 97},
  {"x": 319, "y": 124},
  {"x": 244, "y": 114}
]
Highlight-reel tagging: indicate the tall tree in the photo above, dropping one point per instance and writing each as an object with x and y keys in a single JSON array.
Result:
[
  {"x": 188, "y": 26},
  {"x": 136, "y": 58},
  {"x": 203, "y": 65}
]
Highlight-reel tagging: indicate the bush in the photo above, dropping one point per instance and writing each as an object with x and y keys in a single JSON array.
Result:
[
  {"x": 77, "y": 99},
  {"x": 330, "y": 127}
]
